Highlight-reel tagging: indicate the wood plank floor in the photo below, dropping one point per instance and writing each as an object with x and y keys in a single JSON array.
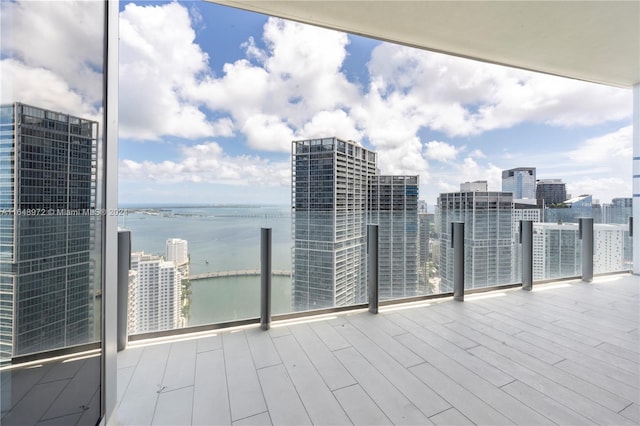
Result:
[{"x": 567, "y": 353}]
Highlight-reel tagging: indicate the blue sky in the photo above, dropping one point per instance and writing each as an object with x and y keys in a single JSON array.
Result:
[{"x": 211, "y": 97}]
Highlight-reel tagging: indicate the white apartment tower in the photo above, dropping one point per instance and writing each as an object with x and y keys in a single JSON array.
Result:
[
  {"x": 177, "y": 251},
  {"x": 158, "y": 293}
]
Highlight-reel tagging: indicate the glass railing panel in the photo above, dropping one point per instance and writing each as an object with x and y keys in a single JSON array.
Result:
[
  {"x": 557, "y": 251},
  {"x": 206, "y": 261},
  {"x": 611, "y": 248},
  {"x": 51, "y": 211}
]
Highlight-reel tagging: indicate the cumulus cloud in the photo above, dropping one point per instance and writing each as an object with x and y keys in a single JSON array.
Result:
[
  {"x": 603, "y": 164},
  {"x": 441, "y": 151},
  {"x": 53, "y": 55},
  {"x": 207, "y": 163},
  {"x": 460, "y": 97},
  {"x": 293, "y": 88},
  {"x": 612, "y": 148},
  {"x": 159, "y": 72}
]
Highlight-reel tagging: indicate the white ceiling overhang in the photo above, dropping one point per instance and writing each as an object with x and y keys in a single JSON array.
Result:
[{"x": 597, "y": 41}]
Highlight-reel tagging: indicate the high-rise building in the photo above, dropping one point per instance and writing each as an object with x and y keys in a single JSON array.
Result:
[
  {"x": 177, "y": 251},
  {"x": 48, "y": 282},
  {"x": 551, "y": 191},
  {"x": 158, "y": 293},
  {"x": 329, "y": 203},
  {"x": 520, "y": 181},
  {"x": 488, "y": 237},
  {"x": 393, "y": 206}
]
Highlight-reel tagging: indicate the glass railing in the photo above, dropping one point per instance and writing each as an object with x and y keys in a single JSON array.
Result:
[
  {"x": 557, "y": 251},
  {"x": 217, "y": 277},
  {"x": 207, "y": 258},
  {"x": 612, "y": 248}
]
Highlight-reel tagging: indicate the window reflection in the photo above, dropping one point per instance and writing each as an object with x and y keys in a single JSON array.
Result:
[{"x": 51, "y": 106}]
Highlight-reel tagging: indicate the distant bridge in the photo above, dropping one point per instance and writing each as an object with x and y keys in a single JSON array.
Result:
[{"x": 243, "y": 273}]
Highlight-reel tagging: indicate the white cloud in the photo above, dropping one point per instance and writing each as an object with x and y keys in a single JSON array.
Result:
[
  {"x": 403, "y": 159},
  {"x": 160, "y": 69},
  {"x": 602, "y": 166},
  {"x": 441, "y": 151},
  {"x": 207, "y": 163},
  {"x": 461, "y": 97},
  {"x": 267, "y": 133},
  {"x": 613, "y": 148},
  {"x": 26, "y": 84},
  {"x": 294, "y": 89},
  {"x": 325, "y": 123},
  {"x": 53, "y": 55}
]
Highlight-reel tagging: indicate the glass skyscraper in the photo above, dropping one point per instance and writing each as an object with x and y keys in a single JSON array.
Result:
[
  {"x": 520, "y": 181},
  {"x": 329, "y": 203},
  {"x": 488, "y": 237},
  {"x": 550, "y": 191},
  {"x": 49, "y": 287},
  {"x": 393, "y": 206}
]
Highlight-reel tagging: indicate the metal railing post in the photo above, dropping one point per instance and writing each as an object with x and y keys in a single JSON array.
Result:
[
  {"x": 265, "y": 278},
  {"x": 124, "y": 264},
  {"x": 372, "y": 267},
  {"x": 457, "y": 243},
  {"x": 585, "y": 233},
  {"x": 526, "y": 239}
]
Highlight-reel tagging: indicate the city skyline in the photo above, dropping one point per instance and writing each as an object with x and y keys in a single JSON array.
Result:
[{"x": 224, "y": 93}]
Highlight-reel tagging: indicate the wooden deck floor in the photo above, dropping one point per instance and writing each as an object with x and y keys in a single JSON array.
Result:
[{"x": 566, "y": 353}]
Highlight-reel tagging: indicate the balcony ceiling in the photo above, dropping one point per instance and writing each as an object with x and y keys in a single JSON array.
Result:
[{"x": 597, "y": 41}]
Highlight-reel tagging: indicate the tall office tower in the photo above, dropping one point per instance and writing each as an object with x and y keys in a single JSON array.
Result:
[
  {"x": 177, "y": 251},
  {"x": 520, "y": 181},
  {"x": 329, "y": 203},
  {"x": 158, "y": 293},
  {"x": 487, "y": 236},
  {"x": 393, "y": 206},
  {"x": 48, "y": 281},
  {"x": 550, "y": 191}
]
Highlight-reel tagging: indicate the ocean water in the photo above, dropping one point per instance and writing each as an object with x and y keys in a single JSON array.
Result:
[{"x": 220, "y": 238}]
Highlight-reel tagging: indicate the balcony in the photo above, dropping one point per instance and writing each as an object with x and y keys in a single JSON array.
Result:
[{"x": 566, "y": 353}]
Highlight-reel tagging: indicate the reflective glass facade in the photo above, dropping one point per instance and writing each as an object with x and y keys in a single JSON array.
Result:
[
  {"x": 329, "y": 202},
  {"x": 488, "y": 237},
  {"x": 393, "y": 206},
  {"x": 47, "y": 270}
]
